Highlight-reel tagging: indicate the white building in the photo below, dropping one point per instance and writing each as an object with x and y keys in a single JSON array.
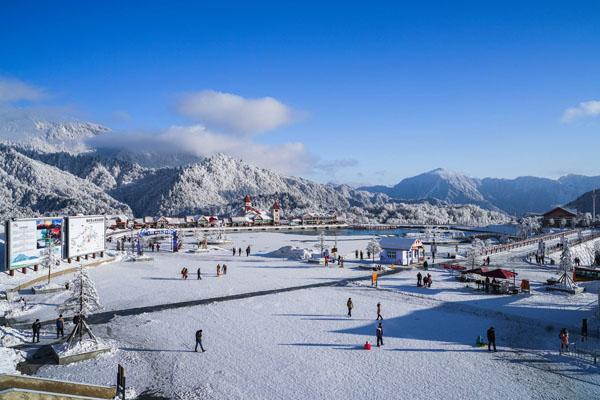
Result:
[{"x": 401, "y": 251}]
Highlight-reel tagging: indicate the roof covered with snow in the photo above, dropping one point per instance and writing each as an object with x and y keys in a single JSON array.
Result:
[{"x": 399, "y": 243}]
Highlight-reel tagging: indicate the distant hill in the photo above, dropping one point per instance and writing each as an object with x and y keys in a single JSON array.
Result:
[
  {"x": 513, "y": 196},
  {"x": 583, "y": 203}
]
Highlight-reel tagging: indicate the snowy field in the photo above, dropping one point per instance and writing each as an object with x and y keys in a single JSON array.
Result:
[{"x": 300, "y": 344}]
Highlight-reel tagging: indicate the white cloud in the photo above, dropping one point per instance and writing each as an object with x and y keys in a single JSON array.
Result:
[
  {"x": 12, "y": 90},
  {"x": 585, "y": 109},
  {"x": 234, "y": 114},
  {"x": 287, "y": 158}
]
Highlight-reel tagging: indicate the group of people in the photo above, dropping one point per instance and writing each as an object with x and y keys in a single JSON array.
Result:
[
  {"x": 424, "y": 281},
  {"x": 378, "y": 331},
  {"x": 221, "y": 270},
  {"x": 358, "y": 254},
  {"x": 59, "y": 323},
  {"x": 239, "y": 251},
  {"x": 154, "y": 246}
]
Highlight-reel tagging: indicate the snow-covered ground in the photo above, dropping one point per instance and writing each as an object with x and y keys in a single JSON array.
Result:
[{"x": 301, "y": 345}]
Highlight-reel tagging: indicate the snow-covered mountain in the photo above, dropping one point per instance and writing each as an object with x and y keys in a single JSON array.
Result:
[
  {"x": 584, "y": 203},
  {"x": 514, "y": 196},
  {"x": 29, "y": 188},
  {"x": 219, "y": 183},
  {"x": 44, "y": 136}
]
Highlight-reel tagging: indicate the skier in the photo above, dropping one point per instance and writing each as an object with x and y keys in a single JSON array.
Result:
[
  {"x": 419, "y": 279},
  {"x": 60, "y": 326},
  {"x": 224, "y": 269},
  {"x": 564, "y": 339},
  {"x": 218, "y": 269},
  {"x": 234, "y": 251},
  {"x": 239, "y": 251},
  {"x": 36, "y": 327},
  {"x": 350, "y": 306},
  {"x": 379, "y": 317},
  {"x": 379, "y": 333},
  {"x": 248, "y": 251},
  {"x": 491, "y": 337},
  {"x": 199, "y": 274},
  {"x": 199, "y": 341}
]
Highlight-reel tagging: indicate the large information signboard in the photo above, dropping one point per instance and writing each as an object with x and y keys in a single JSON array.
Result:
[
  {"x": 29, "y": 240},
  {"x": 85, "y": 235}
]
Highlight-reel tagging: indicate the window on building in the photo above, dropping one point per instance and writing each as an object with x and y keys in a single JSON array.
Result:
[{"x": 391, "y": 254}]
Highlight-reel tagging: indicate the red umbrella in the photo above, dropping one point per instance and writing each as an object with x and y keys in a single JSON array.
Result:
[
  {"x": 499, "y": 273},
  {"x": 478, "y": 271}
]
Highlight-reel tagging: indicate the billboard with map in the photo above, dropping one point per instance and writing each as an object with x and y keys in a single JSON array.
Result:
[
  {"x": 85, "y": 235},
  {"x": 29, "y": 241}
]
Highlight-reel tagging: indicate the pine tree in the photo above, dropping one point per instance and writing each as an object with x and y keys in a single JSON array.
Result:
[{"x": 83, "y": 301}]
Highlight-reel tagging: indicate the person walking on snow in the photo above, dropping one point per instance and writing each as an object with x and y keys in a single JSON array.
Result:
[
  {"x": 60, "y": 326},
  {"x": 234, "y": 251},
  {"x": 361, "y": 255},
  {"x": 184, "y": 273},
  {"x": 350, "y": 306},
  {"x": 199, "y": 341},
  {"x": 157, "y": 247},
  {"x": 419, "y": 279},
  {"x": 239, "y": 251},
  {"x": 36, "y": 327},
  {"x": 248, "y": 251},
  {"x": 379, "y": 317},
  {"x": 564, "y": 339},
  {"x": 199, "y": 274},
  {"x": 224, "y": 269},
  {"x": 379, "y": 333},
  {"x": 218, "y": 269},
  {"x": 356, "y": 254},
  {"x": 491, "y": 337}
]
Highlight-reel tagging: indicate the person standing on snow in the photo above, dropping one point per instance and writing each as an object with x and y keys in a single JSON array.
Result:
[
  {"x": 361, "y": 255},
  {"x": 239, "y": 251},
  {"x": 199, "y": 341},
  {"x": 218, "y": 269},
  {"x": 199, "y": 274},
  {"x": 60, "y": 326},
  {"x": 248, "y": 251},
  {"x": 419, "y": 279},
  {"x": 224, "y": 269},
  {"x": 350, "y": 306},
  {"x": 379, "y": 317},
  {"x": 234, "y": 251},
  {"x": 36, "y": 327},
  {"x": 564, "y": 339},
  {"x": 491, "y": 337},
  {"x": 356, "y": 254},
  {"x": 379, "y": 334}
]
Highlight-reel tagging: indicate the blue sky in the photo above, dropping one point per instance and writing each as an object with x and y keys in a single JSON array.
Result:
[{"x": 360, "y": 93}]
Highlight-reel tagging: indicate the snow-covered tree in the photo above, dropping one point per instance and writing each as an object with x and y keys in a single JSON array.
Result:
[
  {"x": 373, "y": 247},
  {"x": 528, "y": 226},
  {"x": 566, "y": 259},
  {"x": 83, "y": 301},
  {"x": 474, "y": 252}
]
